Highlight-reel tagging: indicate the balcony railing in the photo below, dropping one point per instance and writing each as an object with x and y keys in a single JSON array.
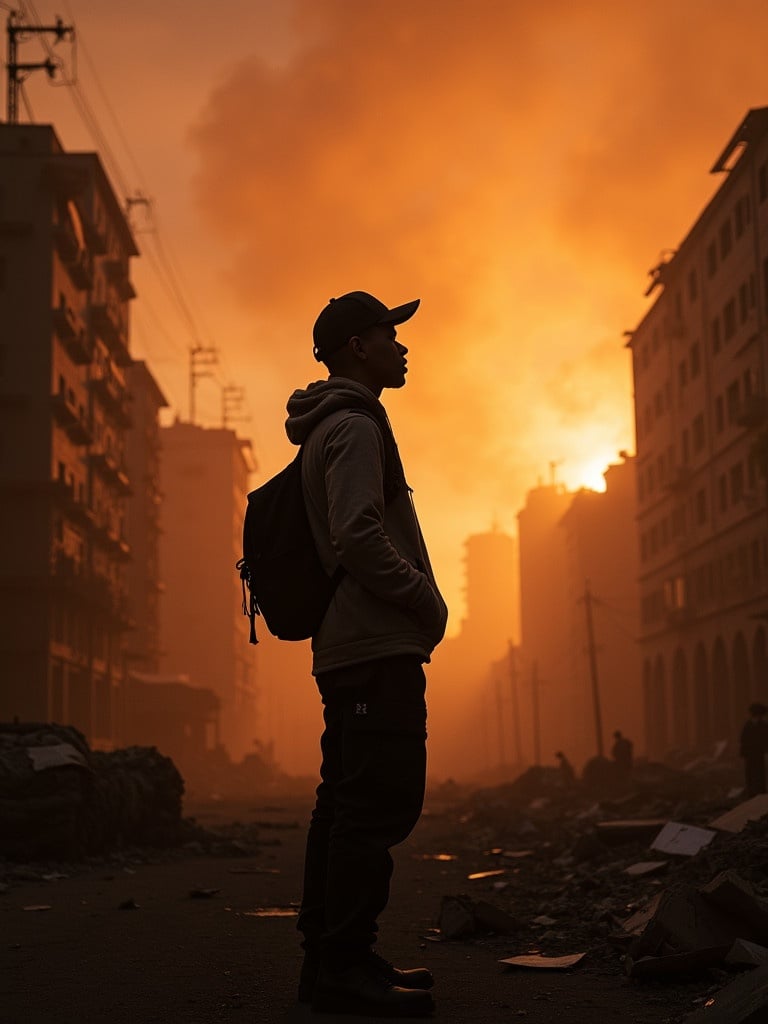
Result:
[
  {"x": 111, "y": 471},
  {"x": 117, "y": 273},
  {"x": 71, "y": 419},
  {"x": 113, "y": 397},
  {"x": 752, "y": 411},
  {"x": 107, "y": 323}
]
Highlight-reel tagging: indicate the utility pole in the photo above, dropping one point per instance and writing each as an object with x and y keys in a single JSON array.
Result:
[
  {"x": 536, "y": 716},
  {"x": 18, "y": 72},
  {"x": 513, "y": 678},
  {"x": 500, "y": 722},
  {"x": 592, "y": 651},
  {"x": 232, "y": 398},
  {"x": 199, "y": 358}
]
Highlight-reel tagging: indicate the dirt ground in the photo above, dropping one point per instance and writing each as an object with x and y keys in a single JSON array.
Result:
[{"x": 126, "y": 943}]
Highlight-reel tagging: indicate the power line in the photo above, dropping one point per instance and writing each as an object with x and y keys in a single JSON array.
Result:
[{"x": 159, "y": 255}]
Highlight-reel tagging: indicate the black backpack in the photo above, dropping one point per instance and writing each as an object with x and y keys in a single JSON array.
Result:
[{"x": 280, "y": 567}]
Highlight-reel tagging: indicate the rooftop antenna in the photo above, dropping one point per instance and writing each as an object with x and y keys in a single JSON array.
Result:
[{"x": 554, "y": 463}]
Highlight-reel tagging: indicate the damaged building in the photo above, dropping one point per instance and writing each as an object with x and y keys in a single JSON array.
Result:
[{"x": 699, "y": 367}]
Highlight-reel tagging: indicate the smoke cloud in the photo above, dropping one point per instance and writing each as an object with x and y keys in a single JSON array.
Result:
[{"x": 518, "y": 166}]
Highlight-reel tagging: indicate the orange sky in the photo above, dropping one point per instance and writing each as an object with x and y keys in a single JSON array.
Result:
[{"x": 518, "y": 166}]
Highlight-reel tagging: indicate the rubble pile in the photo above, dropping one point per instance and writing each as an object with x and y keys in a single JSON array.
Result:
[
  {"x": 60, "y": 799},
  {"x": 568, "y": 869}
]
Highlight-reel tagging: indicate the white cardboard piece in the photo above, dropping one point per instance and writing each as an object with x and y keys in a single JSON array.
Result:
[{"x": 684, "y": 840}]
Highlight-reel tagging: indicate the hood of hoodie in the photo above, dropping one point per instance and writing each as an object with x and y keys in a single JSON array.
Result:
[{"x": 308, "y": 406}]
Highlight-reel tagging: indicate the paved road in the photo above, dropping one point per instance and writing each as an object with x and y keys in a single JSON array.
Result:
[{"x": 179, "y": 960}]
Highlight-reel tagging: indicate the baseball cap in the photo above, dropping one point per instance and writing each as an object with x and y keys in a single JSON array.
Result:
[{"x": 352, "y": 314}]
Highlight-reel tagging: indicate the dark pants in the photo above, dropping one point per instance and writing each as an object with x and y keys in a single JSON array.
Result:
[
  {"x": 369, "y": 799},
  {"x": 754, "y": 773}
]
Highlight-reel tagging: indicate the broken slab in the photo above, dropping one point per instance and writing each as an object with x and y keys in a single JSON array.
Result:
[
  {"x": 683, "y": 840},
  {"x": 733, "y": 895},
  {"x": 739, "y": 816},
  {"x": 644, "y": 868},
  {"x": 461, "y": 917},
  {"x": 746, "y": 954},
  {"x": 551, "y": 963},
  {"x": 635, "y": 924},
  {"x": 648, "y": 967},
  {"x": 685, "y": 921},
  {"x": 614, "y": 833},
  {"x": 744, "y": 1001}
]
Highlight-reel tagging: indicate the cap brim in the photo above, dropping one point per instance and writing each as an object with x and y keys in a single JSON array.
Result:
[{"x": 400, "y": 314}]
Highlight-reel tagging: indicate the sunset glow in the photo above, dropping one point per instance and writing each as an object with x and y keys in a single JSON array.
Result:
[{"x": 519, "y": 167}]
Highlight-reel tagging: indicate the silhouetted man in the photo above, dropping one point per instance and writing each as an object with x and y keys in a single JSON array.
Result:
[
  {"x": 753, "y": 746},
  {"x": 567, "y": 774},
  {"x": 621, "y": 752},
  {"x": 384, "y": 621}
]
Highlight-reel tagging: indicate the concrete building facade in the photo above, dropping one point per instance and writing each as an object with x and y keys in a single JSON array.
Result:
[
  {"x": 65, "y": 251},
  {"x": 699, "y": 365},
  {"x": 142, "y": 456},
  {"x": 204, "y": 479},
  {"x": 545, "y": 618},
  {"x": 602, "y": 565}
]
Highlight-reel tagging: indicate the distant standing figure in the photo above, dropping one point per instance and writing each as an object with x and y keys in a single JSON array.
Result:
[
  {"x": 567, "y": 773},
  {"x": 753, "y": 745},
  {"x": 621, "y": 752}
]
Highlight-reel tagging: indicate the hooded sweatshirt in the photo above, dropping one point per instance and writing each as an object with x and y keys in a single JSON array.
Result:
[{"x": 362, "y": 517}]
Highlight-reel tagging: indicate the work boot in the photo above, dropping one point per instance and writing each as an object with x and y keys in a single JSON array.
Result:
[
  {"x": 417, "y": 977},
  {"x": 363, "y": 989}
]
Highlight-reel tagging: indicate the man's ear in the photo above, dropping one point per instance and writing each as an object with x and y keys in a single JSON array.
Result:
[{"x": 356, "y": 344}]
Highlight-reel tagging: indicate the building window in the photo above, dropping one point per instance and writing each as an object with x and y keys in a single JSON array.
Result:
[
  {"x": 762, "y": 182},
  {"x": 685, "y": 445},
  {"x": 725, "y": 239},
  {"x": 729, "y": 319},
  {"x": 722, "y": 486},
  {"x": 737, "y": 482},
  {"x": 716, "y": 335},
  {"x": 743, "y": 302},
  {"x": 682, "y": 374},
  {"x": 655, "y": 339},
  {"x": 693, "y": 286},
  {"x": 695, "y": 359},
  {"x": 719, "y": 414},
  {"x": 658, "y": 403},
  {"x": 698, "y": 433},
  {"x": 733, "y": 399},
  {"x": 701, "y": 507},
  {"x": 712, "y": 260}
]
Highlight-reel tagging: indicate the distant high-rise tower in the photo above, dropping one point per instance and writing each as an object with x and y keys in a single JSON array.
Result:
[
  {"x": 204, "y": 480},
  {"x": 491, "y": 590}
]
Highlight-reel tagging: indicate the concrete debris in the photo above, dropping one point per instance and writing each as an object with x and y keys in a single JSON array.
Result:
[
  {"x": 738, "y": 817},
  {"x": 743, "y": 1001},
  {"x": 683, "y": 840},
  {"x": 746, "y": 954},
  {"x": 62, "y": 801},
  {"x": 735, "y": 896},
  {"x": 644, "y": 868},
  {"x": 462, "y": 917},
  {"x": 596, "y": 878},
  {"x": 551, "y": 963},
  {"x": 617, "y": 833}
]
